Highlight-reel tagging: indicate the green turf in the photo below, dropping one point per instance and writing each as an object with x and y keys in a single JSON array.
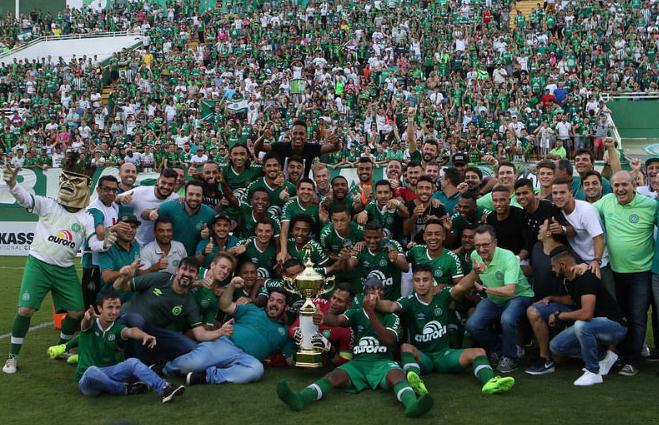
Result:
[{"x": 44, "y": 392}]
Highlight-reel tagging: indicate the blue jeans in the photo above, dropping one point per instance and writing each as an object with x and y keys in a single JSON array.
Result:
[
  {"x": 170, "y": 344},
  {"x": 479, "y": 324},
  {"x": 113, "y": 379},
  {"x": 633, "y": 293},
  {"x": 222, "y": 361},
  {"x": 583, "y": 339}
]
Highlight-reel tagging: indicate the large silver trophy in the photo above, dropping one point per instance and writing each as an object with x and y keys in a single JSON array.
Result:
[{"x": 309, "y": 284}]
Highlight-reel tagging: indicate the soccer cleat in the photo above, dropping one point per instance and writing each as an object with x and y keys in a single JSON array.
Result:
[
  {"x": 507, "y": 365},
  {"x": 138, "y": 387},
  {"x": 73, "y": 359},
  {"x": 195, "y": 378},
  {"x": 56, "y": 351},
  {"x": 628, "y": 370},
  {"x": 170, "y": 391},
  {"x": 420, "y": 408},
  {"x": 498, "y": 384},
  {"x": 416, "y": 383},
  {"x": 541, "y": 367},
  {"x": 607, "y": 362},
  {"x": 10, "y": 365},
  {"x": 290, "y": 397},
  {"x": 588, "y": 378}
]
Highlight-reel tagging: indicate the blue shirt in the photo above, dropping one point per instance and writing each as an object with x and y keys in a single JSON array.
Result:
[
  {"x": 258, "y": 335},
  {"x": 187, "y": 227},
  {"x": 577, "y": 188},
  {"x": 449, "y": 203}
]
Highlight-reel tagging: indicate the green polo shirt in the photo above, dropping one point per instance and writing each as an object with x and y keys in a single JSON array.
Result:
[
  {"x": 187, "y": 227},
  {"x": 503, "y": 270},
  {"x": 629, "y": 232},
  {"x": 485, "y": 201}
]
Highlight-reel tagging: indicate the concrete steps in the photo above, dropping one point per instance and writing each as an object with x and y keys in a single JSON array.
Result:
[{"x": 524, "y": 6}]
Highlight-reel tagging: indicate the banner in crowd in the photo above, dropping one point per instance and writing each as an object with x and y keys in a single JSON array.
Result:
[{"x": 17, "y": 225}]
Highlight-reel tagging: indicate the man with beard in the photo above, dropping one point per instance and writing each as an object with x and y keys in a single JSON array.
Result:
[
  {"x": 593, "y": 186},
  {"x": 362, "y": 192},
  {"x": 339, "y": 197},
  {"x": 378, "y": 257},
  {"x": 162, "y": 301},
  {"x": 394, "y": 172},
  {"x": 335, "y": 341},
  {"x": 190, "y": 217},
  {"x": 421, "y": 209},
  {"x": 127, "y": 177},
  {"x": 299, "y": 146},
  {"x": 304, "y": 203},
  {"x": 301, "y": 232},
  {"x": 63, "y": 227},
  {"x": 212, "y": 179},
  {"x": 295, "y": 169},
  {"x": 584, "y": 161},
  {"x": 429, "y": 148},
  {"x": 386, "y": 210},
  {"x": 413, "y": 171},
  {"x": 467, "y": 214},
  {"x": 220, "y": 239},
  {"x": 253, "y": 334},
  {"x": 506, "y": 176},
  {"x": 162, "y": 254},
  {"x": 279, "y": 190},
  {"x": 508, "y": 222},
  {"x": 145, "y": 201}
]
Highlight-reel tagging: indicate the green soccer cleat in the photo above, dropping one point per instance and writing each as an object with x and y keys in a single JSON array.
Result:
[
  {"x": 290, "y": 397},
  {"x": 420, "y": 408},
  {"x": 498, "y": 384},
  {"x": 416, "y": 383},
  {"x": 56, "y": 351},
  {"x": 72, "y": 360}
]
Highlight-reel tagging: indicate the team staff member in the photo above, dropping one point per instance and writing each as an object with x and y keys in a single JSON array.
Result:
[
  {"x": 508, "y": 295},
  {"x": 163, "y": 254},
  {"x": 124, "y": 252}
]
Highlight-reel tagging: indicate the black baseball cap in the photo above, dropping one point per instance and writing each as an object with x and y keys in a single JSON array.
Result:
[
  {"x": 129, "y": 218},
  {"x": 372, "y": 282},
  {"x": 221, "y": 216},
  {"x": 459, "y": 158}
]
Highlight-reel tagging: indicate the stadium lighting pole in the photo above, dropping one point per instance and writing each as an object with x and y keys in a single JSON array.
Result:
[{"x": 18, "y": 9}]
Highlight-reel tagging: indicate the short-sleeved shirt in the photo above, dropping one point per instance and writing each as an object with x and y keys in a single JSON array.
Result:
[
  {"x": 367, "y": 345},
  {"x": 377, "y": 264},
  {"x": 264, "y": 260},
  {"x": 589, "y": 284},
  {"x": 503, "y": 270},
  {"x": 116, "y": 257},
  {"x": 243, "y": 179},
  {"x": 629, "y": 232},
  {"x": 332, "y": 242},
  {"x": 310, "y": 151},
  {"x": 293, "y": 208},
  {"x": 144, "y": 198},
  {"x": 273, "y": 192},
  {"x": 151, "y": 253},
  {"x": 98, "y": 347},
  {"x": 485, "y": 201},
  {"x": 448, "y": 202},
  {"x": 318, "y": 255},
  {"x": 257, "y": 334},
  {"x": 427, "y": 322},
  {"x": 160, "y": 305},
  {"x": 445, "y": 268},
  {"x": 585, "y": 221},
  {"x": 187, "y": 227}
]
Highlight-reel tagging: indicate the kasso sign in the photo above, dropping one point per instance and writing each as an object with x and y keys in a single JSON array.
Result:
[{"x": 17, "y": 225}]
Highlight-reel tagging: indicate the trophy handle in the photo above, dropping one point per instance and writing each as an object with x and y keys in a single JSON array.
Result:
[
  {"x": 290, "y": 287},
  {"x": 327, "y": 287}
]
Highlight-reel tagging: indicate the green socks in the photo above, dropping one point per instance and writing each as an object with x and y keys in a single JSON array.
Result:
[
  {"x": 315, "y": 391},
  {"x": 18, "y": 331},
  {"x": 298, "y": 401},
  {"x": 482, "y": 369},
  {"x": 409, "y": 363},
  {"x": 405, "y": 394},
  {"x": 73, "y": 343},
  {"x": 69, "y": 326}
]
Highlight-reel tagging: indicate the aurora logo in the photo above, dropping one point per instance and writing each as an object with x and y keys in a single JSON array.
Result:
[
  {"x": 64, "y": 238},
  {"x": 369, "y": 345},
  {"x": 431, "y": 331}
]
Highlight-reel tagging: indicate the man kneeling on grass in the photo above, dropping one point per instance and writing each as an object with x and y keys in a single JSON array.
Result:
[
  {"x": 373, "y": 365},
  {"x": 99, "y": 370}
]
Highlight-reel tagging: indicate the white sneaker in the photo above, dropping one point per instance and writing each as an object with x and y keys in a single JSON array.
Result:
[
  {"x": 607, "y": 362},
  {"x": 588, "y": 378},
  {"x": 10, "y": 365}
]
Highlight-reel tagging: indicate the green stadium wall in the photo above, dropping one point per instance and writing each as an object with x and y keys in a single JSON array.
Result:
[{"x": 636, "y": 119}]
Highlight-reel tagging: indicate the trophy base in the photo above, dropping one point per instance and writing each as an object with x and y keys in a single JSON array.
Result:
[{"x": 309, "y": 359}]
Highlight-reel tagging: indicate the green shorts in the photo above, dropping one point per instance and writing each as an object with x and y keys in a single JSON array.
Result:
[
  {"x": 445, "y": 361},
  {"x": 368, "y": 373},
  {"x": 63, "y": 282}
]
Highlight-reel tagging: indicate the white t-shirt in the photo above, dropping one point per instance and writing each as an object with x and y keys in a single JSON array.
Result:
[
  {"x": 144, "y": 198},
  {"x": 110, "y": 218},
  {"x": 151, "y": 254},
  {"x": 585, "y": 220}
]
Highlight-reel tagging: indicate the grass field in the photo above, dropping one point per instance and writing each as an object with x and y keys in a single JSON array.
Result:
[{"x": 44, "y": 392}]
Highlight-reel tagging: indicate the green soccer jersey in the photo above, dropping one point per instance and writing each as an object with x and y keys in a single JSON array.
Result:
[
  {"x": 293, "y": 208},
  {"x": 160, "y": 305},
  {"x": 247, "y": 226},
  {"x": 504, "y": 269},
  {"x": 207, "y": 302},
  {"x": 318, "y": 256},
  {"x": 264, "y": 260},
  {"x": 445, "y": 268},
  {"x": 243, "y": 179},
  {"x": 367, "y": 345},
  {"x": 333, "y": 243},
  {"x": 98, "y": 347},
  {"x": 427, "y": 323},
  {"x": 378, "y": 264},
  {"x": 273, "y": 192},
  {"x": 392, "y": 223}
]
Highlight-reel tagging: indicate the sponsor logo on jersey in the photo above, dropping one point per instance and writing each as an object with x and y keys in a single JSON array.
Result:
[
  {"x": 369, "y": 345},
  {"x": 381, "y": 277},
  {"x": 177, "y": 310},
  {"x": 431, "y": 331},
  {"x": 157, "y": 292},
  {"x": 64, "y": 238},
  {"x": 111, "y": 337}
]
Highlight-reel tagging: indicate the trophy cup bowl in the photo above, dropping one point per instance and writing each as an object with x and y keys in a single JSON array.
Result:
[{"x": 308, "y": 284}]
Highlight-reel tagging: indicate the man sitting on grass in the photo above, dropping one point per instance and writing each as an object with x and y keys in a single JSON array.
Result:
[
  {"x": 373, "y": 365},
  {"x": 100, "y": 369}
]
